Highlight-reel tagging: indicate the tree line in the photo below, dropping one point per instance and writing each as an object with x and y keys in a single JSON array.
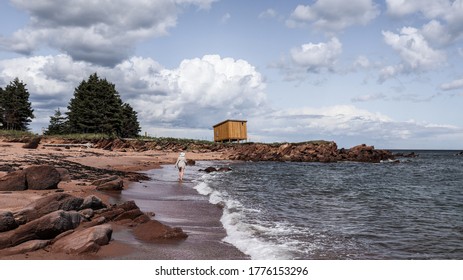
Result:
[{"x": 96, "y": 107}]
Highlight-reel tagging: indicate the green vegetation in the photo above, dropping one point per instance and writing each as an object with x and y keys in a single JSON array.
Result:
[
  {"x": 15, "y": 134},
  {"x": 181, "y": 141},
  {"x": 81, "y": 137},
  {"x": 96, "y": 108},
  {"x": 15, "y": 109}
]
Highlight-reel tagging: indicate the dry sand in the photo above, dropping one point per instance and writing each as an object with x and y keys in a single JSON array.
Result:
[{"x": 200, "y": 218}]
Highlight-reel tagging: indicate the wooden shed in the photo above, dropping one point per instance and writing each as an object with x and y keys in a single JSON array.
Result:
[{"x": 230, "y": 130}]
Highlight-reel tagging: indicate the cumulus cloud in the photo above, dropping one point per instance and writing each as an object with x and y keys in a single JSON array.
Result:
[
  {"x": 101, "y": 32},
  {"x": 444, "y": 16},
  {"x": 318, "y": 56},
  {"x": 347, "y": 125},
  {"x": 455, "y": 84},
  {"x": 196, "y": 94},
  {"x": 415, "y": 53},
  {"x": 334, "y": 15}
]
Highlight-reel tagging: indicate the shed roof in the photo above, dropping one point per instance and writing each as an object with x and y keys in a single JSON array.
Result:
[{"x": 229, "y": 121}]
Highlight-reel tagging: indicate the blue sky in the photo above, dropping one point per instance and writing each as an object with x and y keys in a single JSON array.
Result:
[{"x": 385, "y": 73}]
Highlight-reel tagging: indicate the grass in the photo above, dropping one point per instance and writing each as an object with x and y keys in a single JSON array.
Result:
[
  {"x": 81, "y": 136},
  {"x": 15, "y": 133}
]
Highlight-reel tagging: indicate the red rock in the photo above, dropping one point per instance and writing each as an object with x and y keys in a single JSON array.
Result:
[
  {"x": 14, "y": 181},
  {"x": 42, "y": 177}
]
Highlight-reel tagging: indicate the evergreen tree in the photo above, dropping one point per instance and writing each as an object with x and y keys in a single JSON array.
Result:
[
  {"x": 98, "y": 108},
  {"x": 130, "y": 124},
  {"x": 15, "y": 109},
  {"x": 95, "y": 108},
  {"x": 58, "y": 124}
]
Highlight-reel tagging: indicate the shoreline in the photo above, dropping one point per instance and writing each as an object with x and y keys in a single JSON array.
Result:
[
  {"x": 178, "y": 205},
  {"x": 124, "y": 245}
]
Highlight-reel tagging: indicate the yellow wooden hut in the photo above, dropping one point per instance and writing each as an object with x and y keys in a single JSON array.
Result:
[{"x": 230, "y": 130}]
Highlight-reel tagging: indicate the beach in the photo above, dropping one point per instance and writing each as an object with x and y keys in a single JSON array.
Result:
[{"x": 170, "y": 202}]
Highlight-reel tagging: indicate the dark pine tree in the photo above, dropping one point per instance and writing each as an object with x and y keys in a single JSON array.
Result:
[
  {"x": 58, "y": 124},
  {"x": 130, "y": 125},
  {"x": 15, "y": 109},
  {"x": 95, "y": 108}
]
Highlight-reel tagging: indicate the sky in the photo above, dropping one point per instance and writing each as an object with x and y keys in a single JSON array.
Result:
[{"x": 384, "y": 73}]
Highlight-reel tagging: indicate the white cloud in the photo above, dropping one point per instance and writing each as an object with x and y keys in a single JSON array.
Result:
[
  {"x": 316, "y": 57},
  {"x": 362, "y": 62},
  {"x": 334, "y": 15},
  {"x": 415, "y": 53},
  {"x": 438, "y": 11},
  {"x": 429, "y": 8},
  {"x": 267, "y": 14},
  {"x": 196, "y": 94},
  {"x": 455, "y": 84},
  {"x": 101, "y": 32}
]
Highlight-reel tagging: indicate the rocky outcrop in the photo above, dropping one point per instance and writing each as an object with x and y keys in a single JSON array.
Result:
[
  {"x": 316, "y": 151},
  {"x": 40, "y": 177},
  {"x": 213, "y": 169},
  {"x": 26, "y": 247},
  {"x": 14, "y": 181},
  {"x": 88, "y": 240},
  {"x": 64, "y": 223},
  {"x": 7, "y": 221},
  {"x": 112, "y": 183},
  {"x": 153, "y": 231},
  {"x": 48, "y": 204},
  {"x": 43, "y": 228}
]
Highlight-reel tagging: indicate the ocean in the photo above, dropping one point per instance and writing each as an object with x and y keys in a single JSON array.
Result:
[{"x": 346, "y": 210}]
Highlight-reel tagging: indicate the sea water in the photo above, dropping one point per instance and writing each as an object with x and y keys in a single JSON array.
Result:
[{"x": 346, "y": 210}]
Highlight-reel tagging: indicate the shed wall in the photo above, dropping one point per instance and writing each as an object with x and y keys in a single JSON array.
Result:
[{"x": 230, "y": 131}]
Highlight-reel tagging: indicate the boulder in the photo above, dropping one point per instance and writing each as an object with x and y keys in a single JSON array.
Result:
[
  {"x": 64, "y": 174},
  {"x": 46, "y": 227},
  {"x": 88, "y": 240},
  {"x": 155, "y": 231},
  {"x": 87, "y": 213},
  {"x": 33, "y": 144},
  {"x": 209, "y": 169},
  {"x": 115, "y": 185},
  {"x": 102, "y": 181},
  {"x": 14, "y": 181},
  {"x": 42, "y": 177},
  {"x": 48, "y": 204},
  {"x": 7, "y": 221},
  {"x": 125, "y": 211},
  {"x": 26, "y": 247},
  {"x": 224, "y": 169},
  {"x": 92, "y": 202}
]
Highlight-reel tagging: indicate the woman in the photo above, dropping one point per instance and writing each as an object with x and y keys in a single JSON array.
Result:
[{"x": 181, "y": 164}]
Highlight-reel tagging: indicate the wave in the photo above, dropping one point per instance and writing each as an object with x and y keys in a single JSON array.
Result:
[{"x": 242, "y": 230}]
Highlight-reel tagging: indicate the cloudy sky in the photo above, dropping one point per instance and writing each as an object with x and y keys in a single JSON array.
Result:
[{"x": 385, "y": 73}]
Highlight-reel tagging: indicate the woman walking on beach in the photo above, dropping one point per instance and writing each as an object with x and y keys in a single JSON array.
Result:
[{"x": 181, "y": 164}]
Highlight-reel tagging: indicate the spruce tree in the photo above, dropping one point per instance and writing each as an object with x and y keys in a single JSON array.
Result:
[
  {"x": 98, "y": 108},
  {"x": 15, "y": 109},
  {"x": 130, "y": 124},
  {"x": 58, "y": 124}
]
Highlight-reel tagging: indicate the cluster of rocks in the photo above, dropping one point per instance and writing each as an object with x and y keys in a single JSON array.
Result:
[
  {"x": 211, "y": 169},
  {"x": 64, "y": 223},
  {"x": 317, "y": 151},
  {"x": 39, "y": 177},
  {"x": 313, "y": 151}
]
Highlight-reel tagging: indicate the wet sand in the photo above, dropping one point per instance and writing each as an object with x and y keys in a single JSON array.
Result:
[{"x": 177, "y": 204}]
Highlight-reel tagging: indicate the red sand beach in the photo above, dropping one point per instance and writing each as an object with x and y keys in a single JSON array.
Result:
[{"x": 196, "y": 216}]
